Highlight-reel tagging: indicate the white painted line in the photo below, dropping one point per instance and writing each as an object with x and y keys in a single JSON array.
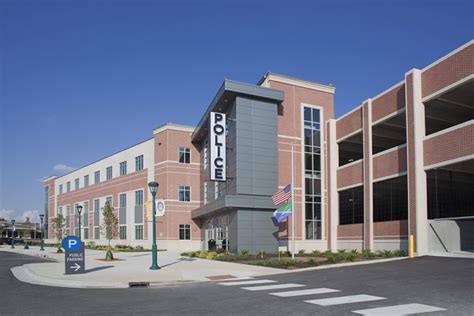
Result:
[
  {"x": 405, "y": 309},
  {"x": 345, "y": 300},
  {"x": 304, "y": 292},
  {"x": 247, "y": 282},
  {"x": 272, "y": 287}
]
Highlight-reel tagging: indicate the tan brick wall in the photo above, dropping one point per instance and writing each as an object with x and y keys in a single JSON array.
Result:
[
  {"x": 451, "y": 145},
  {"x": 450, "y": 70}
]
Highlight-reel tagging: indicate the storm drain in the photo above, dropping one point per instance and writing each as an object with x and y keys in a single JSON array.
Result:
[{"x": 138, "y": 284}]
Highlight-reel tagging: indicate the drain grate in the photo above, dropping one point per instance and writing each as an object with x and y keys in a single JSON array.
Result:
[{"x": 138, "y": 284}]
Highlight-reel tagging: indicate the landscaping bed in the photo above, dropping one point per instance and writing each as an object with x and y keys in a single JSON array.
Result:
[{"x": 302, "y": 259}]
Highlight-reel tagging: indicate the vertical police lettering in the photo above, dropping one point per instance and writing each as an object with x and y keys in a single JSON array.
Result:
[{"x": 217, "y": 142}]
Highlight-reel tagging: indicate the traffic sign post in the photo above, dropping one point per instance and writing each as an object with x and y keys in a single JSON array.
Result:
[{"x": 74, "y": 257}]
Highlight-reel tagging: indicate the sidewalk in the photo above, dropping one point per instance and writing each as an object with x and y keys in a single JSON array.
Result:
[{"x": 133, "y": 267}]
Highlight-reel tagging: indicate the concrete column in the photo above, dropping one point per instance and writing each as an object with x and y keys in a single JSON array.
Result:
[
  {"x": 417, "y": 188},
  {"x": 368, "y": 176},
  {"x": 333, "y": 162}
]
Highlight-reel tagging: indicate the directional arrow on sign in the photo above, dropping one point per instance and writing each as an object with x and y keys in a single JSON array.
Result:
[{"x": 76, "y": 267}]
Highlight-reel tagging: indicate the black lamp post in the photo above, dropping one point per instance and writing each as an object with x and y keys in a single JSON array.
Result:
[
  {"x": 13, "y": 234},
  {"x": 42, "y": 232},
  {"x": 79, "y": 211},
  {"x": 154, "y": 256}
]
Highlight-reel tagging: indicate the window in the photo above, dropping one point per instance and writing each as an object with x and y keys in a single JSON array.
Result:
[
  {"x": 109, "y": 200},
  {"x": 450, "y": 192},
  {"x": 60, "y": 189},
  {"x": 138, "y": 232},
  {"x": 76, "y": 184},
  {"x": 206, "y": 154},
  {"x": 122, "y": 209},
  {"x": 139, "y": 163},
  {"x": 123, "y": 232},
  {"x": 123, "y": 168},
  {"x": 139, "y": 197},
  {"x": 312, "y": 171},
  {"x": 390, "y": 199},
  {"x": 184, "y": 155},
  {"x": 86, "y": 233},
  {"x": 68, "y": 186},
  {"x": 351, "y": 206},
  {"x": 86, "y": 180},
  {"x": 96, "y": 233},
  {"x": 68, "y": 210},
  {"x": 184, "y": 193},
  {"x": 96, "y": 177},
  {"x": 85, "y": 215},
  {"x": 108, "y": 173},
  {"x": 76, "y": 220},
  {"x": 205, "y": 193},
  {"x": 123, "y": 200},
  {"x": 96, "y": 212},
  {"x": 184, "y": 232}
]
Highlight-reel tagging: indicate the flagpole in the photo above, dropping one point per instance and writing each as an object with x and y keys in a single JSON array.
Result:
[{"x": 293, "y": 217}]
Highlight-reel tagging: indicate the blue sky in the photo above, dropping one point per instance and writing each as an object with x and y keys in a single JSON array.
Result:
[{"x": 80, "y": 80}]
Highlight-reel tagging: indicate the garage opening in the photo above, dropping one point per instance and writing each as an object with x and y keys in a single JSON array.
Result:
[{"x": 451, "y": 207}]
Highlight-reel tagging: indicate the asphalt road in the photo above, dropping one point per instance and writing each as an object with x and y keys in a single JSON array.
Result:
[{"x": 440, "y": 282}]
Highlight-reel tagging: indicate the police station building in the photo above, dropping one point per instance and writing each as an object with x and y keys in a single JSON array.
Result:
[{"x": 401, "y": 163}]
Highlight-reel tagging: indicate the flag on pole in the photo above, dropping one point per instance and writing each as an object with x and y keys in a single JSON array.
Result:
[
  {"x": 282, "y": 195},
  {"x": 283, "y": 211}
]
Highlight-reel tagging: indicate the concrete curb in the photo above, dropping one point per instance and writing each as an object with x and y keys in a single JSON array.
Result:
[
  {"x": 341, "y": 265},
  {"x": 25, "y": 274}
]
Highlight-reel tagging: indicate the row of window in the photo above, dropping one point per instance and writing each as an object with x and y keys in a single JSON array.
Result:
[
  {"x": 184, "y": 156},
  {"x": 390, "y": 202},
  {"x": 184, "y": 232},
  {"x": 108, "y": 175}
]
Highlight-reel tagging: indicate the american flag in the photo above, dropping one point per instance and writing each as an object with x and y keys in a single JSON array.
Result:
[{"x": 282, "y": 195}]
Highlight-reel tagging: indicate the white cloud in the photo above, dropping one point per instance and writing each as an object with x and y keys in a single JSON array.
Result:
[
  {"x": 63, "y": 168},
  {"x": 20, "y": 216}
]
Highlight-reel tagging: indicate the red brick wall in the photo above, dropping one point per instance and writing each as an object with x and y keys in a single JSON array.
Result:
[
  {"x": 350, "y": 175},
  {"x": 391, "y": 230},
  {"x": 388, "y": 103},
  {"x": 352, "y": 231},
  {"x": 349, "y": 123},
  {"x": 448, "y": 71},
  {"x": 451, "y": 145},
  {"x": 390, "y": 163}
]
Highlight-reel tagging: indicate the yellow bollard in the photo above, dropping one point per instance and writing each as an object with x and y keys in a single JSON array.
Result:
[{"x": 411, "y": 249}]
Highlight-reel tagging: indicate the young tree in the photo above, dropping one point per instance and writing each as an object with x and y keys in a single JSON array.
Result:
[
  {"x": 58, "y": 226},
  {"x": 109, "y": 227}
]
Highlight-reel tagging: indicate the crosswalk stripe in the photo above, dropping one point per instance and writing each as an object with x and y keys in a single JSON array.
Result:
[
  {"x": 345, "y": 299},
  {"x": 304, "y": 292},
  {"x": 272, "y": 287},
  {"x": 247, "y": 282},
  {"x": 404, "y": 309}
]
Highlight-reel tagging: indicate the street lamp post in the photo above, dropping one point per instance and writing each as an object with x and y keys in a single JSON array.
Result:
[
  {"x": 79, "y": 211},
  {"x": 154, "y": 264},
  {"x": 13, "y": 234},
  {"x": 42, "y": 232}
]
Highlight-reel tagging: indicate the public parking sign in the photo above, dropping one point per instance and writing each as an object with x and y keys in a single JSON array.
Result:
[{"x": 75, "y": 258}]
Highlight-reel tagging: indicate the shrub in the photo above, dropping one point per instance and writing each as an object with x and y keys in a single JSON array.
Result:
[
  {"x": 341, "y": 251},
  {"x": 221, "y": 250},
  {"x": 290, "y": 262},
  {"x": 301, "y": 252},
  {"x": 244, "y": 252},
  {"x": 312, "y": 262},
  {"x": 355, "y": 252},
  {"x": 90, "y": 244},
  {"x": 139, "y": 248},
  {"x": 386, "y": 253},
  {"x": 367, "y": 254},
  {"x": 399, "y": 253},
  {"x": 316, "y": 253},
  {"x": 211, "y": 255}
]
